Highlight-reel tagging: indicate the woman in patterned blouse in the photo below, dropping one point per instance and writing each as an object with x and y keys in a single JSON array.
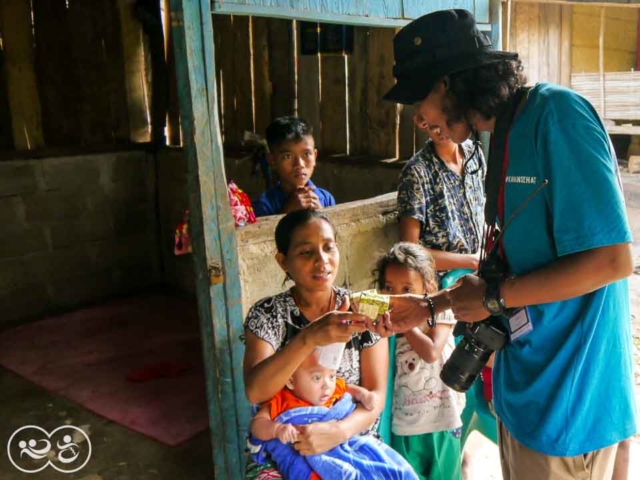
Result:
[{"x": 281, "y": 331}]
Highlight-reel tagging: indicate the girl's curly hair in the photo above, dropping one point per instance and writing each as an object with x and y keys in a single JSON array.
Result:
[
  {"x": 485, "y": 89},
  {"x": 410, "y": 255}
]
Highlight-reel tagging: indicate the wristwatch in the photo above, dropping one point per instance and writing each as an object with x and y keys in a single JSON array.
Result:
[{"x": 492, "y": 300}]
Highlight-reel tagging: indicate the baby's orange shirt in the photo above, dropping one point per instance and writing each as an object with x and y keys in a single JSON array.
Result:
[{"x": 285, "y": 399}]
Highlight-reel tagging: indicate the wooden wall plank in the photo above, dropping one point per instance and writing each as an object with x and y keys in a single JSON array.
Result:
[
  {"x": 308, "y": 87},
  {"x": 58, "y": 87},
  {"x": 281, "y": 67},
  {"x": 136, "y": 84},
  {"x": 6, "y": 136},
  {"x": 242, "y": 95},
  {"x": 22, "y": 112},
  {"x": 406, "y": 133},
  {"x": 382, "y": 114},
  {"x": 261, "y": 79},
  {"x": 553, "y": 21},
  {"x": 173, "y": 104},
  {"x": 532, "y": 20},
  {"x": 565, "y": 46},
  {"x": 358, "y": 86},
  {"x": 333, "y": 104},
  {"x": 226, "y": 41},
  {"x": 220, "y": 25},
  {"x": 83, "y": 102}
]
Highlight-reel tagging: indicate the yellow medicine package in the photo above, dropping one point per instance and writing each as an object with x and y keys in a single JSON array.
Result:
[{"x": 369, "y": 303}]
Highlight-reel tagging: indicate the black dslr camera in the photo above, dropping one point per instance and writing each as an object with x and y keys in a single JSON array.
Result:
[{"x": 479, "y": 339}]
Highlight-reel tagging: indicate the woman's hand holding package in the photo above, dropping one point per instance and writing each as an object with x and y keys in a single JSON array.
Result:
[{"x": 335, "y": 327}]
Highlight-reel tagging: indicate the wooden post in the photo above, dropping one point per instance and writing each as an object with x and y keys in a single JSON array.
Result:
[
  {"x": 603, "y": 113},
  {"x": 565, "y": 46},
  {"x": 215, "y": 252},
  {"x": 508, "y": 33},
  {"x": 20, "y": 74}
]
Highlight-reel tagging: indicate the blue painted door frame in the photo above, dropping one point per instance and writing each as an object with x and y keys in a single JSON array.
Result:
[{"x": 215, "y": 252}]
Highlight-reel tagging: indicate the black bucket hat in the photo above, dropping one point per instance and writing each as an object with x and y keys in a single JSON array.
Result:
[{"x": 435, "y": 45}]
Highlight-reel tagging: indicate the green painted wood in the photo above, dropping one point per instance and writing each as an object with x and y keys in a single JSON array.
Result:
[{"x": 214, "y": 238}]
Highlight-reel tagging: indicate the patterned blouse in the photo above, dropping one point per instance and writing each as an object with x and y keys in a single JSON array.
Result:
[
  {"x": 449, "y": 207},
  {"x": 277, "y": 319}
]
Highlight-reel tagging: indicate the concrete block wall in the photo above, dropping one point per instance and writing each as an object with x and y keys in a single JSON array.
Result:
[
  {"x": 75, "y": 230},
  {"x": 366, "y": 229}
]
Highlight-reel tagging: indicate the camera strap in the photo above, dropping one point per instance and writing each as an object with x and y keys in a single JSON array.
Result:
[{"x": 497, "y": 166}]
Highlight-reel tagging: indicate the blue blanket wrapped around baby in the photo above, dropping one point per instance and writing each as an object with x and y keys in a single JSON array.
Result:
[{"x": 362, "y": 457}]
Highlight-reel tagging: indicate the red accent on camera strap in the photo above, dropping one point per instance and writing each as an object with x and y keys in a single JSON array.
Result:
[{"x": 501, "y": 203}]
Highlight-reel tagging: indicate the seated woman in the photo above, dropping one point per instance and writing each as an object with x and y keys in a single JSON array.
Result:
[{"x": 282, "y": 331}]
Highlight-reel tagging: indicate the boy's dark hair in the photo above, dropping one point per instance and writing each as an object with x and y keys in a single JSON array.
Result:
[
  {"x": 410, "y": 255},
  {"x": 291, "y": 222},
  {"x": 284, "y": 129},
  {"x": 485, "y": 89}
]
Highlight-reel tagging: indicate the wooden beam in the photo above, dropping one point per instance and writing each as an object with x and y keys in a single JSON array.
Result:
[
  {"x": 20, "y": 74},
  {"x": 215, "y": 253}
]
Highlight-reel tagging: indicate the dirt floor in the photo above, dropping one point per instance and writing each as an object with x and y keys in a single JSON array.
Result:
[{"x": 118, "y": 453}]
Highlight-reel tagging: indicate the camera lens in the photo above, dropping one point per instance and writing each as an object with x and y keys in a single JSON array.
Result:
[{"x": 464, "y": 365}]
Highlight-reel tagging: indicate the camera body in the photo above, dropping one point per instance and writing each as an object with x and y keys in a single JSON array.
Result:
[{"x": 479, "y": 339}]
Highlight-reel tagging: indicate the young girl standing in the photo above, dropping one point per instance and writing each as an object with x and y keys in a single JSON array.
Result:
[
  {"x": 281, "y": 331},
  {"x": 426, "y": 413}
]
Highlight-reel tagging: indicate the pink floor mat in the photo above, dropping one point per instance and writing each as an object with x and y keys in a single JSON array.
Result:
[{"x": 87, "y": 355}]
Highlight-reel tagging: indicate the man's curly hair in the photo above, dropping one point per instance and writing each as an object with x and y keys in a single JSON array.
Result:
[{"x": 485, "y": 89}]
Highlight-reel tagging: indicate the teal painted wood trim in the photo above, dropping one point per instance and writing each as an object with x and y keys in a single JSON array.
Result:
[
  {"x": 358, "y": 8},
  {"x": 214, "y": 240},
  {"x": 307, "y": 15},
  {"x": 226, "y": 8}
]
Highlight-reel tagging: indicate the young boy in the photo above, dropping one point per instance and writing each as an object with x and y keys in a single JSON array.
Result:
[
  {"x": 310, "y": 388},
  {"x": 292, "y": 155}
]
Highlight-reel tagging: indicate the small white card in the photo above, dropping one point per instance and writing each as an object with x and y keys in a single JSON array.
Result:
[
  {"x": 519, "y": 324},
  {"x": 331, "y": 355}
]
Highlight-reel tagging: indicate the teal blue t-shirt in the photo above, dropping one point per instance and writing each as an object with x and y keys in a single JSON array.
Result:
[{"x": 565, "y": 388}]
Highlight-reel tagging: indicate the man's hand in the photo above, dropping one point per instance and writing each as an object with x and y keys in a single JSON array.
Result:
[
  {"x": 302, "y": 198},
  {"x": 467, "y": 299}
]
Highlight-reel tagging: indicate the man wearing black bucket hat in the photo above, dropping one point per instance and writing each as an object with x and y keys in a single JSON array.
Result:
[{"x": 563, "y": 382}]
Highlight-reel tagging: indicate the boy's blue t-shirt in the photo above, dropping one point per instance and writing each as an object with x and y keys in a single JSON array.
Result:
[
  {"x": 565, "y": 388},
  {"x": 272, "y": 201}
]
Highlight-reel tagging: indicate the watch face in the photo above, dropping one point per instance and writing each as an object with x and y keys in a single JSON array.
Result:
[{"x": 493, "y": 305}]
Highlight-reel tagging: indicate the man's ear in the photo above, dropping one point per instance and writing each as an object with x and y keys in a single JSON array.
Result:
[
  {"x": 289, "y": 384},
  {"x": 443, "y": 84},
  {"x": 282, "y": 261},
  {"x": 271, "y": 158}
]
